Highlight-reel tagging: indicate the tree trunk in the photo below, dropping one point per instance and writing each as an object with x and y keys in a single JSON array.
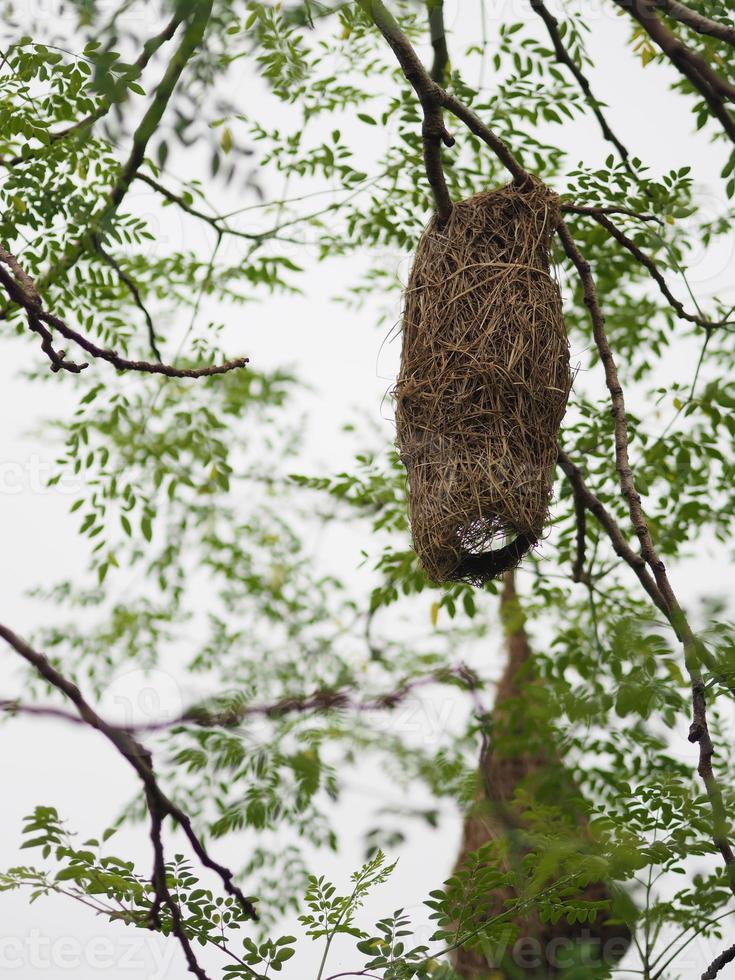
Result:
[{"x": 519, "y": 764}]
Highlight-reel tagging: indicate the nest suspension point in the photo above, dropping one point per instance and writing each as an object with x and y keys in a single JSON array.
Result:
[{"x": 483, "y": 383}]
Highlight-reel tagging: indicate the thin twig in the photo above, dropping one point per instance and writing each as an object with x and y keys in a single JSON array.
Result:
[
  {"x": 648, "y": 263},
  {"x": 134, "y": 291},
  {"x": 621, "y": 547},
  {"x": 595, "y": 210},
  {"x": 580, "y": 511},
  {"x": 564, "y": 57}
]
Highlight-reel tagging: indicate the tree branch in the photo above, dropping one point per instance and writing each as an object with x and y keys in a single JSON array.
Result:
[
  {"x": 151, "y": 46},
  {"x": 433, "y": 131},
  {"x": 698, "y": 22},
  {"x": 565, "y": 58},
  {"x": 718, "y": 963},
  {"x": 217, "y": 221},
  {"x": 621, "y": 547},
  {"x": 433, "y": 99},
  {"x": 231, "y": 715},
  {"x": 714, "y": 89},
  {"x": 647, "y": 262},
  {"x": 438, "y": 41},
  {"x": 580, "y": 512},
  {"x": 23, "y": 292},
  {"x": 158, "y": 804},
  {"x": 694, "y": 652}
]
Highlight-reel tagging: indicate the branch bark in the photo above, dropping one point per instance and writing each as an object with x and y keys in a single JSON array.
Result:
[
  {"x": 694, "y": 652},
  {"x": 712, "y": 87},
  {"x": 434, "y": 99},
  {"x": 698, "y": 22},
  {"x": 718, "y": 963},
  {"x": 438, "y": 33}
]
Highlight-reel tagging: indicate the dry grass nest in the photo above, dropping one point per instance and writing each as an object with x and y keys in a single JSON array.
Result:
[{"x": 483, "y": 384}]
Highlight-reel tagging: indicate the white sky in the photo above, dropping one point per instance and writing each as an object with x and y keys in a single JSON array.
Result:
[{"x": 343, "y": 355}]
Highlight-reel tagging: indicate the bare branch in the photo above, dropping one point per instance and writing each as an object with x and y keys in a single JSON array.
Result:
[
  {"x": 565, "y": 58},
  {"x": 718, "y": 963},
  {"x": 438, "y": 33},
  {"x": 217, "y": 221}
]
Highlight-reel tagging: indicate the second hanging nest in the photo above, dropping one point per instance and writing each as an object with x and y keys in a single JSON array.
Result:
[{"x": 483, "y": 384}]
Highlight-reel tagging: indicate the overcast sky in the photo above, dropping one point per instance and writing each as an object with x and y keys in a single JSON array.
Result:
[{"x": 344, "y": 356}]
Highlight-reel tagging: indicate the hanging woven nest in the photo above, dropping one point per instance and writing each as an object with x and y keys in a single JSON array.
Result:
[{"x": 483, "y": 384}]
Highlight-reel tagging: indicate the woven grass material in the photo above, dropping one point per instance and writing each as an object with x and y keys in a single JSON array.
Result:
[
  {"x": 483, "y": 383},
  {"x": 522, "y": 763}
]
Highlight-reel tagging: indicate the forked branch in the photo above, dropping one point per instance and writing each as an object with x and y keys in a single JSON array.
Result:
[
  {"x": 433, "y": 130},
  {"x": 23, "y": 293},
  {"x": 158, "y": 804}
]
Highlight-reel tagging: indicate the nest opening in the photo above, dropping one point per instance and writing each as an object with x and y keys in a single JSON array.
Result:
[{"x": 483, "y": 383}]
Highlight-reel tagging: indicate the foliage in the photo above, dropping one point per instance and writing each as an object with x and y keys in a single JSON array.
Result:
[{"x": 197, "y": 511}]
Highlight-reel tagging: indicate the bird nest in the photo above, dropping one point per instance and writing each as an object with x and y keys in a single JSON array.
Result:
[{"x": 483, "y": 383}]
